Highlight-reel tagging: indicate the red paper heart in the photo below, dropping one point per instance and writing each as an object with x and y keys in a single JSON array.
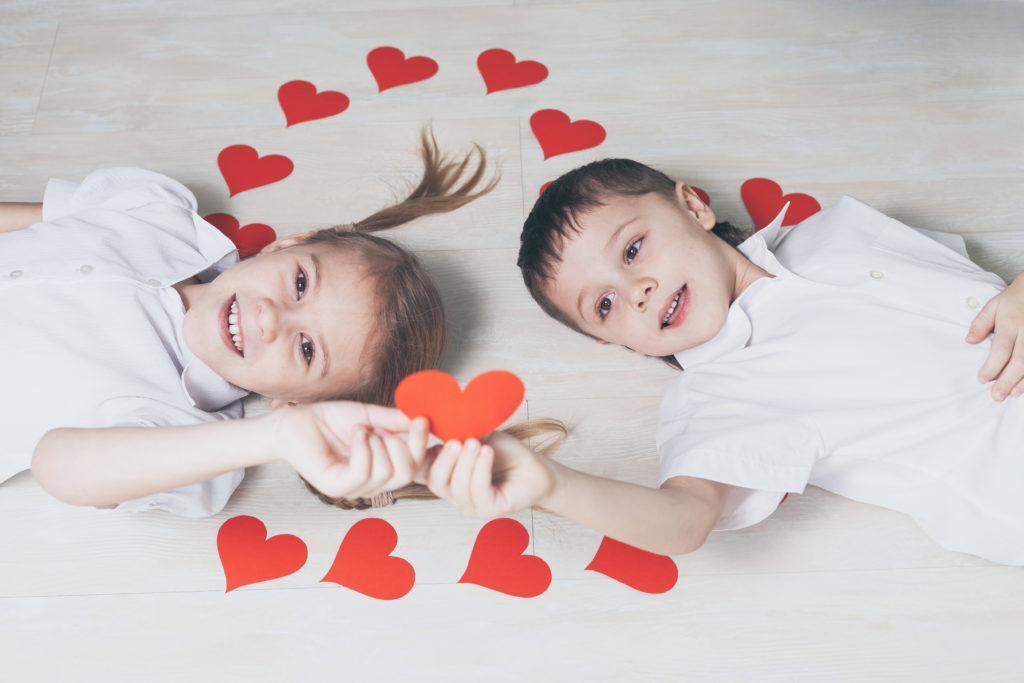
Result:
[
  {"x": 557, "y": 134},
  {"x": 364, "y": 562},
  {"x": 301, "y": 102},
  {"x": 243, "y": 168},
  {"x": 764, "y": 200},
  {"x": 639, "y": 569},
  {"x": 488, "y": 400},
  {"x": 702, "y": 194},
  {"x": 390, "y": 67},
  {"x": 501, "y": 71},
  {"x": 249, "y": 239},
  {"x": 497, "y": 561},
  {"x": 248, "y": 556}
]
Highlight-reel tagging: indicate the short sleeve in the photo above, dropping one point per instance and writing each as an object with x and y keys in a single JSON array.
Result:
[
  {"x": 122, "y": 189},
  {"x": 195, "y": 500}
]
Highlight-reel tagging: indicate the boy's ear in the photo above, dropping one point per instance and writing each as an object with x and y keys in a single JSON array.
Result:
[
  {"x": 276, "y": 403},
  {"x": 284, "y": 242},
  {"x": 692, "y": 202}
]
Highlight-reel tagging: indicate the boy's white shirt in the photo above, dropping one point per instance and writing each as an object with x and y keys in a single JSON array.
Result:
[
  {"x": 849, "y": 370},
  {"x": 92, "y": 328}
]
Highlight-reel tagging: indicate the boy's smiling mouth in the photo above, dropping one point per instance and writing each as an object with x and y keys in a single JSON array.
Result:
[
  {"x": 232, "y": 328},
  {"x": 674, "y": 311}
]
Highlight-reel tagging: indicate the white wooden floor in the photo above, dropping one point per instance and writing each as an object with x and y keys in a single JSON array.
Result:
[{"x": 915, "y": 107}]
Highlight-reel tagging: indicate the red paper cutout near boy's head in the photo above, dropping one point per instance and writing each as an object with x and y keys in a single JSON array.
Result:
[
  {"x": 639, "y": 569},
  {"x": 764, "y": 200},
  {"x": 501, "y": 71},
  {"x": 391, "y": 68},
  {"x": 248, "y": 556},
  {"x": 243, "y": 168},
  {"x": 364, "y": 562},
  {"x": 497, "y": 561},
  {"x": 488, "y": 400},
  {"x": 557, "y": 134},
  {"x": 248, "y": 239},
  {"x": 301, "y": 102}
]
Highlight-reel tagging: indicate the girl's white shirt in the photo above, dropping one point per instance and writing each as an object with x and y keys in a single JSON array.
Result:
[
  {"x": 92, "y": 328},
  {"x": 848, "y": 370}
]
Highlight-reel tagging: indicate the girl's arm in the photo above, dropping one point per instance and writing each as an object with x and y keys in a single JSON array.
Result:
[
  {"x": 506, "y": 476},
  {"x": 343, "y": 449},
  {"x": 19, "y": 215}
]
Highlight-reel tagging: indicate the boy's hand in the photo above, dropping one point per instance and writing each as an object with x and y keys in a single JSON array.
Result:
[
  {"x": 498, "y": 478},
  {"x": 351, "y": 450},
  {"x": 1003, "y": 316}
]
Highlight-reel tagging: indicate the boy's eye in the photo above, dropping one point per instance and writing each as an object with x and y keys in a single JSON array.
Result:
[
  {"x": 605, "y": 305},
  {"x": 633, "y": 249},
  {"x": 307, "y": 350},
  {"x": 300, "y": 283}
]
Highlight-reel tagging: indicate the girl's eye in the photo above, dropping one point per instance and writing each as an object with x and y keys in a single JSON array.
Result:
[
  {"x": 633, "y": 249},
  {"x": 307, "y": 350},
  {"x": 605, "y": 305},
  {"x": 300, "y": 283}
]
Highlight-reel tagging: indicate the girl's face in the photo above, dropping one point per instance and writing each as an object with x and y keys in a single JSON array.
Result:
[
  {"x": 647, "y": 273},
  {"x": 291, "y": 324}
]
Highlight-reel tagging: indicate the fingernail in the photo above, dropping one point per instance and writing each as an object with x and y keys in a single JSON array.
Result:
[{"x": 1000, "y": 395}]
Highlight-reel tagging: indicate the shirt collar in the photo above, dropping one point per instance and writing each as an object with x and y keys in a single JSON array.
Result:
[
  {"x": 736, "y": 332},
  {"x": 205, "y": 389}
]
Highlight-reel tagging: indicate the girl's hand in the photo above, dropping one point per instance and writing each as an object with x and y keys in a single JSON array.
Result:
[
  {"x": 1003, "y": 315},
  {"x": 351, "y": 450},
  {"x": 498, "y": 478}
]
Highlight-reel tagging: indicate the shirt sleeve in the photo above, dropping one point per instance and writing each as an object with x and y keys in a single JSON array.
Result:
[{"x": 122, "y": 189}]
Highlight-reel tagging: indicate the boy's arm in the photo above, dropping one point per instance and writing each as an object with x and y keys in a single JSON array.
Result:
[
  {"x": 343, "y": 449},
  {"x": 505, "y": 476},
  {"x": 19, "y": 215}
]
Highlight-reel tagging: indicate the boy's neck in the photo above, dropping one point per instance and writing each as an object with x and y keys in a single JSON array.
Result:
[
  {"x": 747, "y": 272},
  {"x": 189, "y": 290}
]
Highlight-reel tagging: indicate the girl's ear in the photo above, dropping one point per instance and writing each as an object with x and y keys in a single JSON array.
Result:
[
  {"x": 692, "y": 203},
  {"x": 285, "y": 242}
]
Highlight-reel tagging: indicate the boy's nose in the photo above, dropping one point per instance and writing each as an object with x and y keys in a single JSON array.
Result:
[
  {"x": 642, "y": 294},
  {"x": 270, "y": 320}
]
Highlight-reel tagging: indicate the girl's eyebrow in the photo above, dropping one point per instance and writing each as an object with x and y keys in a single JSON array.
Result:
[{"x": 325, "y": 358}]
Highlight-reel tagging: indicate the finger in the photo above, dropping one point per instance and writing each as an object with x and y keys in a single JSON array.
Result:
[
  {"x": 423, "y": 471},
  {"x": 983, "y": 323},
  {"x": 998, "y": 355},
  {"x": 1018, "y": 389},
  {"x": 440, "y": 474},
  {"x": 380, "y": 468},
  {"x": 387, "y": 419},
  {"x": 419, "y": 435},
  {"x": 481, "y": 485},
  {"x": 463, "y": 471},
  {"x": 360, "y": 460},
  {"x": 1010, "y": 375},
  {"x": 402, "y": 465}
]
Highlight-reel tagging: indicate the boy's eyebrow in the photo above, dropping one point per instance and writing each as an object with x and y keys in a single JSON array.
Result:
[{"x": 325, "y": 358}]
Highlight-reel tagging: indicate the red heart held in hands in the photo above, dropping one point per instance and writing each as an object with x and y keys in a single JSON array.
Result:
[
  {"x": 497, "y": 561},
  {"x": 248, "y": 239},
  {"x": 557, "y": 134},
  {"x": 390, "y": 67},
  {"x": 639, "y": 569},
  {"x": 364, "y": 562},
  {"x": 248, "y": 556},
  {"x": 764, "y": 200},
  {"x": 501, "y": 71},
  {"x": 243, "y": 168},
  {"x": 301, "y": 102},
  {"x": 488, "y": 400}
]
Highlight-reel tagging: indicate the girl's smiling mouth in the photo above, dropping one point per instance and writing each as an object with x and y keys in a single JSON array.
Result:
[
  {"x": 231, "y": 328},
  {"x": 675, "y": 309}
]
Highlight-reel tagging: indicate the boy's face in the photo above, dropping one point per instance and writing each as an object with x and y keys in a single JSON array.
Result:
[
  {"x": 303, "y": 315},
  {"x": 647, "y": 273}
]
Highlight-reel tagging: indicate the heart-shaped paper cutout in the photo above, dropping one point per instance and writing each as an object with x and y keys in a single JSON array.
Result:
[
  {"x": 248, "y": 239},
  {"x": 248, "y": 556},
  {"x": 364, "y": 562},
  {"x": 501, "y": 71},
  {"x": 639, "y": 569},
  {"x": 488, "y": 400},
  {"x": 764, "y": 200},
  {"x": 557, "y": 134},
  {"x": 390, "y": 67},
  {"x": 497, "y": 561},
  {"x": 243, "y": 168},
  {"x": 702, "y": 194},
  {"x": 301, "y": 102}
]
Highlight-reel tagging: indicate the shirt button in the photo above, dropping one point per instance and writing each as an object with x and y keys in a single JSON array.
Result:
[
  {"x": 972, "y": 302},
  {"x": 153, "y": 283},
  {"x": 86, "y": 269},
  {"x": 16, "y": 273},
  {"x": 877, "y": 274}
]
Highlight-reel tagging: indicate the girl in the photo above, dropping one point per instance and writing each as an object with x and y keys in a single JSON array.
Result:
[
  {"x": 831, "y": 353},
  {"x": 131, "y": 333}
]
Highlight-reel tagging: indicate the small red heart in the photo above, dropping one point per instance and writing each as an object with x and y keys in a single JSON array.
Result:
[
  {"x": 488, "y": 400},
  {"x": 364, "y": 562},
  {"x": 390, "y": 67},
  {"x": 497, "y": 561},
  {"x": 248, "y": 556},
  {"x": 501, "y": 71},
  {"x": 243, "y": 168},
  {"x": 557, "y": 134},
  {"x": 249, "y": 239},
  {"x": 764, "y": 200},
  {"x": 301, "y": 102},
  {"x": 639, "y": 569},
  {"x": 702, "y": 194},
  {"x": 544, "y": 187}
]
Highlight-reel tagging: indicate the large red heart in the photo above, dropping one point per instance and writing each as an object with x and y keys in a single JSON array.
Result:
[
  {"x": 488, "y": 400},
  {"x": 639, "y": 569},
  {"x": 249, "y": 239},
  {"x": 390, "y": 67},
  {"x": 497, "y": 561},
  {"x": 364, "y": 562},
  {"x": 557, "y": 134},
  {"x": 764, "y": 200},
  {"x": 501, "y": 71},
  {"x": 301, "y": 102},
  {"x": 243, "y": 168},
  {"x": 248, "y": 556}
]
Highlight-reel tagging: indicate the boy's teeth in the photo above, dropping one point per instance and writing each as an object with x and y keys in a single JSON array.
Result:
[
  {"x": 233, "y": 328},
  {"x": 671, "y": 309}
]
